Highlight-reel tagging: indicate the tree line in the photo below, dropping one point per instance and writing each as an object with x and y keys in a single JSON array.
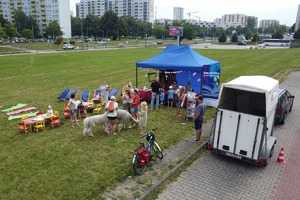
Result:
[{"x": 111, "y": 26}]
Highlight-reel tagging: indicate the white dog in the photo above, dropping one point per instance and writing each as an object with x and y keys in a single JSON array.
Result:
[{"x": 90, "y": 122}]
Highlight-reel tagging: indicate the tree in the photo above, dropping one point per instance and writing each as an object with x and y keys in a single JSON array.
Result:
[
  {"x": 222, "y": 37},
  {"x": 278, "y": 34},
  {"x": 123, "y": 27},
  {"x": 27, "y": 33},
  {"x": 292, "y": 29},
  {"x": 159, "y": 31},
  {"x": 239, "y": 30},
  {"x": 131, "y": 25},
  {"x": 188, "y": 31},
  {"x": 2, "y": 32},
  {"x": 53, "y": 29},
  {"x": 248, "y": 34},
  {"x": 3, "y": 21},
  {"x": 76, "y": 26},
  {"x": 22, "y": 22},
  {"x": 255, "y": 37},
  {"x": 234, "y": 37},
  {"x": 297, "y": 34},
  {"x": 10, "y": 31},
  {"x": 91, "y": 25},
  {"x": 108, "y": 24},
  {"x": 251, "y": 24}
]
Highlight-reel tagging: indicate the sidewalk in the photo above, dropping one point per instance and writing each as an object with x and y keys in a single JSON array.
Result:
[{"x": 138, "y": 187}]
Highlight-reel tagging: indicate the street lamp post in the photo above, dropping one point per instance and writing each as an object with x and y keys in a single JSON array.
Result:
[{"x": 82, "y": 34}]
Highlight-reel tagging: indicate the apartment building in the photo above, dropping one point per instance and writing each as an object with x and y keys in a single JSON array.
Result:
[
  {"x": 44, "y": 11},
  {"x": 266, "y": 22},
  {"x": 139, "y": 9},
  {"x": 178, "y": 13},
  {"x": 233, "y": 20},
  {"x": 298, "y": 19}
]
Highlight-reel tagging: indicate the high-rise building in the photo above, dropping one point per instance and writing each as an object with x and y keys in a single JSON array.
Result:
[
  {"x": 43, "y": 11},
  {"x": 178, "y": 13},
  {"x": 298, "y": 19},
  {"x": 266, "y": 22},
  {"x": 139, "y": 9},
  {"x": 233, "y": 20}
]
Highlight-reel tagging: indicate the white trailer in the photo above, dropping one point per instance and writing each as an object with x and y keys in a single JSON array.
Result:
[{"x": 244, "y": 121}]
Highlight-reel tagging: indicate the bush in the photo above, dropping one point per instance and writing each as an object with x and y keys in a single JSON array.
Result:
[{"x": 297, "y": 34}]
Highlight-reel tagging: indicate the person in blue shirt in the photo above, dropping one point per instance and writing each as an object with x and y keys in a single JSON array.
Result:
[
  {"x": 162, "y": 97},
  {"x": 199, "y": 118},
  {"x": 170, "y": 96}
]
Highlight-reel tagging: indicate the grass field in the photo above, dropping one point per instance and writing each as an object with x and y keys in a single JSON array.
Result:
[{"x": 62, "y": 164}]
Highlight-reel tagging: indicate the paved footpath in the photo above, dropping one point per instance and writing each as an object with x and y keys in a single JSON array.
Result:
[{"x": 217, "y": 177}]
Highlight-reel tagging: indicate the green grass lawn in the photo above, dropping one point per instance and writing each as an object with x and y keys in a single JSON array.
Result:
[{"x": 60, "y": 163}]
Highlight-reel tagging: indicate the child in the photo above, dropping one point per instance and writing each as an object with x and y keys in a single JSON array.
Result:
[
  {"x": 162, "y": 97},
  {"x": 143, "y": 117},
  {"x": 179, "y": 99},
  {"x": 170, "y": 96},
  {"x": 49, "y": 111}
]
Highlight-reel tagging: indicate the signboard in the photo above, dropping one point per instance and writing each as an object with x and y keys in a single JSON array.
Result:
[{"x": 175, "y": 31}]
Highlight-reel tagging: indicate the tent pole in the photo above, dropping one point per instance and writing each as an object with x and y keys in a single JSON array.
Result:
[{"x": 136, "y": 78}]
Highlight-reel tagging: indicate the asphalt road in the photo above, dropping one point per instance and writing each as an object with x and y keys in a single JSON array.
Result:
[{"x": 217, "y": 177}]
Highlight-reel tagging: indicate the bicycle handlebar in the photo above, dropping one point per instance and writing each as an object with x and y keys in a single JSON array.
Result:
[{"x": 148, "y": 132}]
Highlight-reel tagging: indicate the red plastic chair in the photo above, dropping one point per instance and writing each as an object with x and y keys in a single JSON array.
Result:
[
  {"x": 23, "y": 127},
  {"x": 54, "y": 121}
]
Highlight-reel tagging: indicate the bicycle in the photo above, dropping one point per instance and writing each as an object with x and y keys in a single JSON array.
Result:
[{"x": 141, "y": 156}]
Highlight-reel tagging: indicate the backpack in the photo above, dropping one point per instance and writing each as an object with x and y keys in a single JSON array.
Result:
[
  {"x": 111, "y": 107},
  {"x": 143, "y": 156}
]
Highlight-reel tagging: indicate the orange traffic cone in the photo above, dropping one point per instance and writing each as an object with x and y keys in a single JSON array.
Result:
[{"x": 280, "y": 158}]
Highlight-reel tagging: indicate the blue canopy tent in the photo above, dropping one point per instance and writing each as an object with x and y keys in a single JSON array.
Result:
[{"x": 187, "y": 65}]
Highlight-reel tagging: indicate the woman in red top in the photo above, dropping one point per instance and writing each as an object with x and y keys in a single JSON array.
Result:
[{"x": 135, "y": 106}]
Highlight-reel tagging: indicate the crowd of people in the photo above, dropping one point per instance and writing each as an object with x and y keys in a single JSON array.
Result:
[{"x": 175, "y": 96}]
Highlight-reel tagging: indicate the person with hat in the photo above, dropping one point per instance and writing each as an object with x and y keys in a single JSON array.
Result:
[
  {"x": 199, "y": 117},
  {"x": 111, "y": 107},
  {"x": 170, "y": 96},
  {"x": 143, "y": 117}
]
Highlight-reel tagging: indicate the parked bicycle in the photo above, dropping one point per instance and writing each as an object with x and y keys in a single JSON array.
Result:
[{"x": 142, "y": 156}]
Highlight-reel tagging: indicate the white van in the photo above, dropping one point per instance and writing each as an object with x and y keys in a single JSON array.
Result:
[{"x": 243, "y": 124}]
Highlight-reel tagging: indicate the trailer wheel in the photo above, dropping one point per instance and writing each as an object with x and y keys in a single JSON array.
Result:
[{"x": 262, "y": 162}]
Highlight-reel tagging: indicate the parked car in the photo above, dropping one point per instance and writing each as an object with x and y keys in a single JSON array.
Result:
[
  {"x": 284, "y": 105},
  {"x": 68, "y": 46}
]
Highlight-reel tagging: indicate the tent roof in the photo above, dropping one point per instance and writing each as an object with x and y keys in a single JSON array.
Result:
[{"x": 175, "y": 57}]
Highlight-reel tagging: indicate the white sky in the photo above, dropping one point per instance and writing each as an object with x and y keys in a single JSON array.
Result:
[{"x": 208, "y": 10}]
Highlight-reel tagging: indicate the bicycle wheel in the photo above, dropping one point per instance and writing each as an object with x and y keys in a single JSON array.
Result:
[
  {"x": 157, "y": 150},
  {"x": 137, "y": 168}
]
